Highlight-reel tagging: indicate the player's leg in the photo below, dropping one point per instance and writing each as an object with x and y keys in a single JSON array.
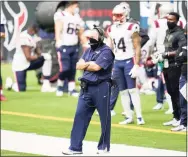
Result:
[
  {"x": 168, "y": 97},
  {"x": 121, "y": 82},
  {"x": 71, "y": 78},
  {"x": 46, "y": 64},
  {"x": 20, "y": 85},
  {"x": 159, "y": 94},
  {"x": 133, "y": 91},
  {"x": 183, "y": 107},
  {"x": 82, "y": 118},
  {"x": 64, "y": 68},
  {"x": 102, "y": 103}
]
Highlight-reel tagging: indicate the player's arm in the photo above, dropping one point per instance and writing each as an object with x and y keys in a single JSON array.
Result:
[
  {"x": 137, "y": 46},
  {"x": 58, "y": 27},
  {"x": 38, "y": 49},
  {"x": 27, "y": 52}
]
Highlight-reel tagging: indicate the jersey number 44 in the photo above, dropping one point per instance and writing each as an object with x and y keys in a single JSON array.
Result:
[{"x": 120, "y": 44}]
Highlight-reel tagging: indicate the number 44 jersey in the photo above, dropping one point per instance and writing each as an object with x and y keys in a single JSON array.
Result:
[
  {"x": 121, "y": 36},
  {"x": 71, "y": 26}
]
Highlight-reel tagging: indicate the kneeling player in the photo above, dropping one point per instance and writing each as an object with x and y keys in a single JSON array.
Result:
[{"x": 24, "y": 60}]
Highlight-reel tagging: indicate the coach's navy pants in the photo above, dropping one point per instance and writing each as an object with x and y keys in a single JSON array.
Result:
[{"x": 96, "y": 97}]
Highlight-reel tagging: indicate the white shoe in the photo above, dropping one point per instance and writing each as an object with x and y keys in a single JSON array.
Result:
[
  {"x": 140, "y": 121},
  {"x": 179, "y": 128},
  {"x": 8, "y": 83},
  {"x": 47, "y": 88},
  {"x": 71, "y": 152},
  {"x": 176, "y": 124},
  {"x": 102, "y": 151},
  {"x": 126, "y": 121},
  {"x": 173, "y": 121},
  {"x": 15, "y": 87},
  {"x": 59, "y": 93},
  {"x": 158, "y": 106},
  {"x": 113, "y": 113},
  {"x": 74, "y": 93},
  {"x": 169, "y": 111}
]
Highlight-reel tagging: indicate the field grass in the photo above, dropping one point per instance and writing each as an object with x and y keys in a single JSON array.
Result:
[
  {"x": 12, "y": 153},
  {"x": 28, "y": 108}
]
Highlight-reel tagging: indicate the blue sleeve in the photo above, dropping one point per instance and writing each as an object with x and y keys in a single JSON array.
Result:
[{"x": 105, "y": 59}]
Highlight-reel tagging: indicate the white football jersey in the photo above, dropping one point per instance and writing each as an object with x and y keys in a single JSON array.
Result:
[
  {"x": 71, "y": 26},
  {"x": 122, "y": 39},
  {"x": 20, "y": 62}
]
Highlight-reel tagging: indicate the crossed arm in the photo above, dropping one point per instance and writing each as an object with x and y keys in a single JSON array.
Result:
[{"x": 89, "y": 66}]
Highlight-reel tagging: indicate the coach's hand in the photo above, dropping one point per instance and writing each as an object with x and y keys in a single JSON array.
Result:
[{"x": 133, "y": 72}]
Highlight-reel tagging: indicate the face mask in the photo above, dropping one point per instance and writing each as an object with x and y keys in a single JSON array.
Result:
[
  {"x": 94, "y": 43},
  {"x": 76, "y": 10},
  {"x": 171, "y": 25}
]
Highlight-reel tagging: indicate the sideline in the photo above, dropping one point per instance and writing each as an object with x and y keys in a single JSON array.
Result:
[{"x": 53, "y": 146}]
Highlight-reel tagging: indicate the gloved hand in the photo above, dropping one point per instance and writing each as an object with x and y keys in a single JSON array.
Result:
[
  {"x": 157, "y": 57},
  {"x": 134, "y": 71},
  {"x": 46, "y": 56}
]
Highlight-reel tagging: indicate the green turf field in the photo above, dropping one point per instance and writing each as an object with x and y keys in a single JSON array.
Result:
[
  {"x": 46, "y": 114},
  {"x": 11, "y": 153}
]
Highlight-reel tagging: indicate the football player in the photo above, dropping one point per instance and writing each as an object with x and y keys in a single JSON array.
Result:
[
  {"x": 124, "y": 38},
  {"x": 68, "y": 32}
]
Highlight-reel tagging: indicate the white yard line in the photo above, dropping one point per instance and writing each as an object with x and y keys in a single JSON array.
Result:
[{"x": 53, "y": 146}]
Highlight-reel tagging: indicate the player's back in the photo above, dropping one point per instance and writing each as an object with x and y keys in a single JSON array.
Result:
[
  {"x": 71, "y": 26},
  {"x": 19, "y": 60},
  {"x": 122, "y": 38}
]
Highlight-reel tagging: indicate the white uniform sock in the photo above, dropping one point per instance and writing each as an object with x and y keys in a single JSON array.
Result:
[
  {"x": 169, "y": 101},
  {"x": 46, "y": 82},
  {"x": 135, "y": 97},
  {"x": 47, "y": 67},
  {"x": 1, "y": 92},
  {"x": 71, "y": 86},
  {"x": 60, "y": 83},
  {"x": 125, "y": 101}
]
